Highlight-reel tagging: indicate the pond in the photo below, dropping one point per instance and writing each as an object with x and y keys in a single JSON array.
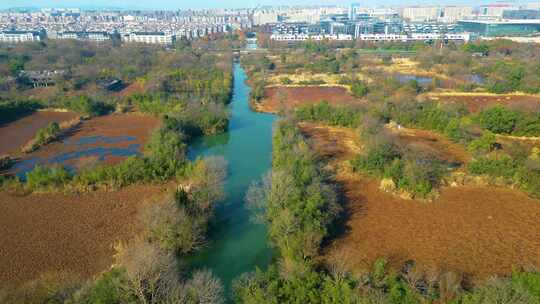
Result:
[
  {"x": 238, "y": 244},
  {"x": 74, "y": 150},
  {"x": 404, "y": 78}
]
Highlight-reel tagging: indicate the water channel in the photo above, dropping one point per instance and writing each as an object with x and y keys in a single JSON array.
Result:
[{"x": 238, "y": 244}]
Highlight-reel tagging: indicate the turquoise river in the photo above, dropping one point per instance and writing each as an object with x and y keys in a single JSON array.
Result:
[{"x": 238, "y": 244}]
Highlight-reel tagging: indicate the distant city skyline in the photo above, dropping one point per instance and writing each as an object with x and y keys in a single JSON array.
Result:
[{"x": 183, "y": 4}]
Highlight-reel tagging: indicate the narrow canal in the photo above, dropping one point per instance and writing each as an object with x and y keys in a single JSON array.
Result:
[{"x": 238, "y": 244}]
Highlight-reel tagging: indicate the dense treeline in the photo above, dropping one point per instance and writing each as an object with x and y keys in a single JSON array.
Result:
[
  {"x": 445, "y": 119},
  {"x": 295, "y": 199},
  {"x": 300, "y": 207}
]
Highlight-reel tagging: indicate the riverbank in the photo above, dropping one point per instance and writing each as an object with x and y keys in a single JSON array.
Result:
[{"x": 238, "y": 245}]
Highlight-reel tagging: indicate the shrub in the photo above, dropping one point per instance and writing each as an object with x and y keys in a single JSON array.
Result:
[
  {"x": 43, "y": 137},
  {"x": 285, "y": 80},
  {"x": 484, "y": 144},
  {"x": 43, "y": 178},
  {"x": 499, "y": 120},
  {"x": 359, "y": 89},
  {"x": 335, "y": 116},
  {"x": 176, "y": 223},
  {"x": 87, "y": 106},
  {"x": 494, "y": 165},
  {"x": 376, "y": 159},
  {"x": 151, "y": 273}
]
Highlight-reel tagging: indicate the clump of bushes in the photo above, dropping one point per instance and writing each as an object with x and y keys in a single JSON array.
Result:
[
  {"x": 85, "y": 105},
  {"x": 494, "y": 165},
  {"x": 411, "y": 173},
  {"x": 311, "y": 82},
  {"x": 430, "y": 116},
  {"x": 179, "y": 222},
  {"x": 359, "y": 89},
  {"x": 47, "y": 178},
  {"x": 381, "y": 285},
  {"x": 257, "y": 92},
  {"x": 285, "y": 81},
  {"x": 197, "y": 120},
  {"x": 155, "y": 104},
  {"x": 5, "y": 162},
  {"x": 335, "y": 116},
  {"x": 43, "y": 137},
  {"x": 501, "y": 120}
]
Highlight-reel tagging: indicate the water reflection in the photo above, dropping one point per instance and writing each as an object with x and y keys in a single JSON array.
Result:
[{"x": 82, "y": 148}]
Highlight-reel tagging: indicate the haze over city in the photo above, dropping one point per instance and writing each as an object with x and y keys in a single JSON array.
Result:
[{"x": 186, "y": 4}]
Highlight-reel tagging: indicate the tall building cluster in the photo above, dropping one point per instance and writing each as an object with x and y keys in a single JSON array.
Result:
[
  {"x": 408, "y": 23},
  {"x": 159, "y": 27},
  {"x": 284, "y": 23}
]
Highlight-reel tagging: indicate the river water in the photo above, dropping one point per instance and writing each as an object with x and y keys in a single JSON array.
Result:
[{"x": 238, "y": 244}]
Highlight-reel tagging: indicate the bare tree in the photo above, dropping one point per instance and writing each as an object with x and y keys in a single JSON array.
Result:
[
  {"x": 204, "y": 288},
  {"x": 151, "y": 272}
]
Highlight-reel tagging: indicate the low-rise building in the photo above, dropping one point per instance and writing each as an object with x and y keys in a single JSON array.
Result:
[
  {"x": 504, "y": 27},
  {"x": 19, "y": 36},
  {"x": 85, "y": 36},
  {"x": 149, "y": 38},
  {"x": 304, "y": 37}
]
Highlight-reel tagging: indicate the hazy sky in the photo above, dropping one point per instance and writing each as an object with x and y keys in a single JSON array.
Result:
[{"x": 175, "y": 4}]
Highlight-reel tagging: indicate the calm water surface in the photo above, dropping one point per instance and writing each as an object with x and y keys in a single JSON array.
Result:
[{"x": 238, "y": 244}]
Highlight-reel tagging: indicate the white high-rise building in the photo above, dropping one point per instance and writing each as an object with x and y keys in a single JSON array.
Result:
[
  {"x": 422, "y": 13},
  {"x": 265, "y": 17},
  {"x": 454, "y": 13}
]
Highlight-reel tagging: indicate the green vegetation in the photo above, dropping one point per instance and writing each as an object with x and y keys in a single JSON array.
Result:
[
  {"x": 416, "y": 174},
  {"x": 13, "y": 110},
  {"x": 430, "y": 116},
  {"x": 44, "y": 178},
  {"x": 295, "y": 230},
  {"x": 359, "y": 89},
  {"x": 87, "y": 106},
  {"x": 518, "y": 167},
  {"x": 180, "y": 222},
  {"x": 334, "y": 116},
  {"x": 43, "y": 137},
  {"x": 502, "y": 120},
  {"x": 295, "y": 199}
]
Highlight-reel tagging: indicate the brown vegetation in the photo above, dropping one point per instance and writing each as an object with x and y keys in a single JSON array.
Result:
[
  {"x": 479, "y": 231},
  {"x": 287, "y": 98},
  {"x": 133, "y": 124},
  {"x": 430, "y": 143},
  {"x": 51, "y": 233},
  {"x": 17, "y": 133}
]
